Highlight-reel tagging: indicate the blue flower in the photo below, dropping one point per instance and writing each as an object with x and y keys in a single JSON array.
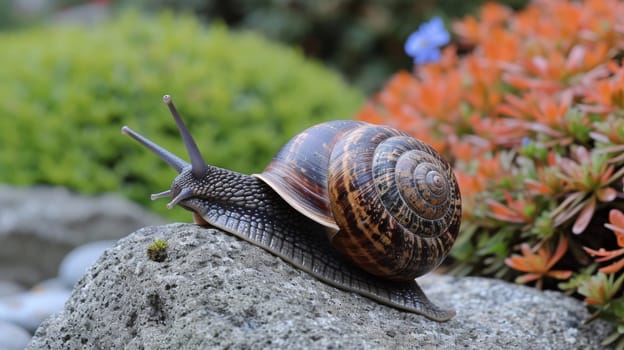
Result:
[{"x": 424, "y": 44}]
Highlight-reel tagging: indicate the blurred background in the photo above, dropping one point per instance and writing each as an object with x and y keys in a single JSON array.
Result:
[
  {"x": 245, "y": 75},
  {"x": 361, "y": 40},
  {"x": 521, "y": 99}
]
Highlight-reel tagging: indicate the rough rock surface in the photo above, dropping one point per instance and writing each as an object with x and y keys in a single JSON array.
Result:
[
  {"x": 39, "y": 225},
  {"x": 215, "y": 291}
]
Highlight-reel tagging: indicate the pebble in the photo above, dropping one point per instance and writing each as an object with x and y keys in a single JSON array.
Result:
[
  {"x": 13, "y": 337},
  {"x": 23, "y": 310},
  {"x": 9, "y": 288},
  {"x": 76, "y": 262},
  {"x": 50, "y": 284},
  {"x": 30, "y": 308}
]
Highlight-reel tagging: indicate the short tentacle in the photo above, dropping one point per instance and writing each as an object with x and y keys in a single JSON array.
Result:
[
  {"x": 163, "y": 194},
  {"x": 186, "y": 193}
]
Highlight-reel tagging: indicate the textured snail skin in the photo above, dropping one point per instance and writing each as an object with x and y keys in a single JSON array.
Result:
[{"x": 267, "y": 211}]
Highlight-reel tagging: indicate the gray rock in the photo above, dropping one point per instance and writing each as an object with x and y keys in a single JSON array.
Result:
[
  {"x": 39, "y": 225},
  {"x": 13, "y": 337},
  {"x": 9, "y": 288},
  {"x": 215, "y": 291},
  {"x": 30, "y": 308},
  {"x": 76, "y": 263}
]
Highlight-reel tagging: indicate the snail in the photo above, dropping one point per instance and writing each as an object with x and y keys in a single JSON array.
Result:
[{"x": 362, "y": 207}]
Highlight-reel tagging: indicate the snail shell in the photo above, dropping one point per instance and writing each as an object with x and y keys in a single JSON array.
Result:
[
  {"x": 385, "y": 202},
  {"x": 390, "y": 202}
]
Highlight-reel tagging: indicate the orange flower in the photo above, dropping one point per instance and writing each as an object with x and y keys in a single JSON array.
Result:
[
  {"x": 548, "y": 182},
  {"x": 536, "y": 21},
  {"x": 437, "y": 95},
  {"x": 501, "y": 46},
  {"x": 588, "y": 177},
  {"x": 499, "y": 131},
  {"x": 554, "y": 71},
  {"x": 491, "y": 15},
  {"x": 600, "y": 289},
  {"x": 481, "y": 79},
  {"x": 469, "y": 148},
  {"x": 517, "y": 211},
  {"x": 589, "y": 172},
  {"x": 609, "y": 138},
  {"x": 606, "y": 95},
  {"x": 616, "y": 224},
  {"x": 470, "y": 185},
  {"x": 610, "y": 131},
  {"x": 529, "y": 108},
  {"x": 547, "y": 74},
  {"x": 535, "y": 107},
  {"x": 538, "y": 261},
  {"x": 544, "y": 115},
  {"x": 494, "y": 14},
  {"x": 490, "y": 166},
  {"x": 468, "y": 30}
]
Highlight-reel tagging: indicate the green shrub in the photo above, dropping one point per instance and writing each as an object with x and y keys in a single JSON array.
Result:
[{"x": 67, "y": 90}]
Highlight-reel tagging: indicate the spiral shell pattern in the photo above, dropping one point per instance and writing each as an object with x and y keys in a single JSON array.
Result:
[{"x": 396, "y": 201}]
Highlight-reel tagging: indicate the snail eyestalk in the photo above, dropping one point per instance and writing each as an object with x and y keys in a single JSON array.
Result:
[
  {"x": 184, "y": 194},
  {"x": 197, "y": 161}
]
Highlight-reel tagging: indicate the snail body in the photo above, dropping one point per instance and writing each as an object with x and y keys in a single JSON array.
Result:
[{"x": 365, "y": 208}]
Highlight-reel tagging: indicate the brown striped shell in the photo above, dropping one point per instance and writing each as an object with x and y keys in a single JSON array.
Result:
[{"x": 390, "y": 202}]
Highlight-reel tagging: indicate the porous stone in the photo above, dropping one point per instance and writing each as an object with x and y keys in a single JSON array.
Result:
[
  {"x": 39, "y": 225},
  {"x": 215, "y": 291}
]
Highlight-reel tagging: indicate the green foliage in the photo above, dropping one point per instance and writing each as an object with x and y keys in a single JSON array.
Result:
[{"x": 67, "y": 90}]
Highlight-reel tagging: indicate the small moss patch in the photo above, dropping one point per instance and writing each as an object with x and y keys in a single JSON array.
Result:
[{"x": 157, "y": 251}]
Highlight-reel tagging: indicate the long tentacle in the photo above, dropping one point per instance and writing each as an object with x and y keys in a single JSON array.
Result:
[
  {"x": 197, "y": 162},
  {"x": 177, "y": 163}
]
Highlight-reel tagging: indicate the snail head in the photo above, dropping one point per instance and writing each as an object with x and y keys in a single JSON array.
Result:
[{"x": 187, "y": 184}]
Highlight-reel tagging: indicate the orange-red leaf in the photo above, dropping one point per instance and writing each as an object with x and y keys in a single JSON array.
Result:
[
  {"x": 585, "y": 216},
  {"x": 616, "y": 219},
  {"x": 606, "y": 194},
  {"x": 613, "y": 268},
  {"x": 560, "y": 274},
  {"x": 562, "y": 247}
]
